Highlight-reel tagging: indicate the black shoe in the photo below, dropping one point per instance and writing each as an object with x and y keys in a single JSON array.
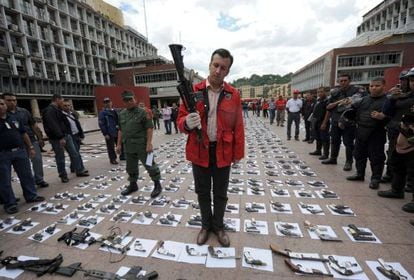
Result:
[
  {"x": 114, "y": 162},
  {"x": 82, "y": 174},
  {"x": 133, "y": 187},
  {"x": 409, "y": 189},
  {"x": 311, "y": 141},
  {"x": 12, "y": 209},
  {"x": 157, "y": 189},
  {"x": 42, "y": 184},
  {"x": 409, "y": 207},
  {"x": 316, "y": 153},
  {"x": 329, "y": 161},
  {"x": 289, "y": 138},
  {"x": 323, "y": 157},
  {"x": 374, "y": 184},
  {"x": 391, "y": 194},
  {"x": 356, "y": 177},
  {"x": 386, "y": 178},
  {"x": 305, "y": 140},
  {"x": 347, "y": 166},
  {"x": 36, "y": 199},
  {"x": 297, "y": 138},
  {"x": 64, "y": 179}
]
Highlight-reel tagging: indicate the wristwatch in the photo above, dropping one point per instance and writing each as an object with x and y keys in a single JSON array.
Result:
[{"x": 31, "y": 147}]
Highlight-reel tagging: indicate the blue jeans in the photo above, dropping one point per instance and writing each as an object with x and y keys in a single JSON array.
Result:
[
  {"x": 60, "y": 155},
  {"x": 37, "y": 163},
  {"x": 76, "y": 141},
  {"x": 20, "y": 162},
  {"x": 272, "y": 114},
  {"x": 293, "y": 117},
  {"x": 167, "y": 124}
]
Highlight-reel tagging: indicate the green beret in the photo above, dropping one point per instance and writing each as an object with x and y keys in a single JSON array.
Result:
[{"x": 127, "y": 95}]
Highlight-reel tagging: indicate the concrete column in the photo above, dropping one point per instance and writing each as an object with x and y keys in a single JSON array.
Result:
[
  {"x": 35, "y": 109},
  {"x": 159, "y": 104}
]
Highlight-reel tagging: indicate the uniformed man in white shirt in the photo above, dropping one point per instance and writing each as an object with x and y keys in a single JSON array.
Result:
[{"x": 293, "y": 108}]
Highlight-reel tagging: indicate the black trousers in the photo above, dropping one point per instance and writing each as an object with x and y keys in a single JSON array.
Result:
[
  {"x": 203, "y": 177},
  {"x": 110, "y": 146},
  {"x": 371, "y": 148},
  {"x": 403, "y": 170},
  {"x": 308, "y": 126}
]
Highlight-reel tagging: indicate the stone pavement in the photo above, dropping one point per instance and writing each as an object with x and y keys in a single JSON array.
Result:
[{"x": 383, "y": 217}]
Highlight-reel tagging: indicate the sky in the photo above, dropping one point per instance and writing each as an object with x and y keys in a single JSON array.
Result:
[{"x": 264, "y": 36}]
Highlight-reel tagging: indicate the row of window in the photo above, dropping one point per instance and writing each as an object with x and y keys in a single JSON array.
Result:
[
  {"x": 372, "y": 59},
  {"x": 155, "y": 77}
]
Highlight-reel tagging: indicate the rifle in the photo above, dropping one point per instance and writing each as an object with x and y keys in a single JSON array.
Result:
[
  {"x": 40, "y": 267},
  {"x": 184, "y": 87}
]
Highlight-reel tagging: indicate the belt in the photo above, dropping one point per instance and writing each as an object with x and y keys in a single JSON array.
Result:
[
  {"x": 213, "y": 144},
  {"x": 10, "y": 150},
  {"x": 294, "y": 112}
]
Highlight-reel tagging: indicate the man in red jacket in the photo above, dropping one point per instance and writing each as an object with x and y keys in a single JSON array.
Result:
[{"x": 219, "y": 115}]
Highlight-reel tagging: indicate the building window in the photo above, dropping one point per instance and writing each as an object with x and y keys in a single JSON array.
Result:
[
  {"x": 155, "y": 77},
  {"x": 350, "y": 61},
  {"x": 375, "y": 73},
  {"x": 385, "y": 58},
  {"x": 356, "y": 76}
]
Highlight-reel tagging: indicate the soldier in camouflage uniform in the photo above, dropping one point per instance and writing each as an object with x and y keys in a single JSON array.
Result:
[{"x": 135, "y": 133}]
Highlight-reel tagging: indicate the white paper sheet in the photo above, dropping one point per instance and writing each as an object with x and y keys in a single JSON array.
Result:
[
  {"x": 286, "y": 206},
  {"x": 261, "y": 254},
  {"x": 14, "y": 273},
  {"x": 83, "y": 246},
  {"x": 150, "y": 158},
  {"x": 147, "y": 245},
  {"x": 26, "y": 229},
  {"x": 357, "y": 276},
  {"x": 346, "y": 229},
  {"x": 325, "y": 229},
  {"x": 316, "y": 207},
  {"x": 186, "y": 258},
  {"x": 144, "y": 220},
  {"x": 172, "y": 247},
  {"x": 124, "y": 242},
  {"x": 260, "y": 225},
  {"x": 45, "y": 234},
  {"x": 295, "y": 230},
  {"x": 397, "y": 266},
  {"x": 222, "y": 263}
]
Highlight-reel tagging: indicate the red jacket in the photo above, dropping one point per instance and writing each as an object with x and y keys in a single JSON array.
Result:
[{"x": 230, "y": 129}]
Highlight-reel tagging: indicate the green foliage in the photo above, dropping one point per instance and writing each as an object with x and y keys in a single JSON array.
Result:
[{"x": 268, "y": 79}]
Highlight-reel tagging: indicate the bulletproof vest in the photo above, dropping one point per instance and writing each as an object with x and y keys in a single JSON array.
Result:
[
  {"x": 336, "y": 113},
  {"x": 402, "y": 106},
  {"x": 366, "y": 107},
  {"x": 320, "y": 109}
]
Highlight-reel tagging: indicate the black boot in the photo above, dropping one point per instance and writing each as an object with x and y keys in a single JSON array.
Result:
[
  {"x": 157, "y": 189},
  {"x": 334, "y": 155},
  {"x": 377, "y": 170},
  {"x": 409, "y": 207},
  {"x": 391, "y": 194},
  {"x": 329, "y": 161},
  {"x": 356, "y": 177},
  {"x": 325, "y": 153},
  {"x": 133, "y": 187},
  {"x": 318, "y": 151},
  {"x": 348, "y": 166}
]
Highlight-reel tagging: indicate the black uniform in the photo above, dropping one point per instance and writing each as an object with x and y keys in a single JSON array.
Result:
[
  {"x": 307, "y": 110},
  {"x": 321, "y": 136},
  {"x": 370, "y": 137},
  {"x": 395, "y": 109},
  {"x": 336, "y": 133}
]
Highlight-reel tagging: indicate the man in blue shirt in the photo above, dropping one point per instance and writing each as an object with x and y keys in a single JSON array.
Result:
[
  {"x": 108, "y": 123},
  {"x": 33, "y": 132},
  {"x": 13, "y": 139}
]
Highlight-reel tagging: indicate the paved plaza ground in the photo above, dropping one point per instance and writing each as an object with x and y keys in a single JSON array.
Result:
[{"x": 383, "y": 217}]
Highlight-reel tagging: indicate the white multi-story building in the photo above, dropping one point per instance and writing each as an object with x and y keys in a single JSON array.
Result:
[
  {"x": 384, "y": 41},
  {"x": 61, "y": 46}
]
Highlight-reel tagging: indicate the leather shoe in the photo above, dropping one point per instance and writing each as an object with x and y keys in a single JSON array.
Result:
[
  {"x": 202, "y": 236},
  {"x": 409, "y": 207},
  {"x": 391, "y": 194},
  {"x": 374, "y": 185},
  {"x": 114, "y": 162},
  {"x": 133, "y": 187},
  {"x": 42, "y": 184},
  {"x": 12, "y": 209},
  {"x": 82, "y": 174},
  {"x": 223, "y": 238},
  {"x": 36, "y": 199},
  {"x": 323, "y": 157},
  {"x": 386, "y": 178},
  {"x": 316, "y": 153},
  {"x": 356, "y": 177},
  {"x": 64, "y": 179},
  {"x": 347, "y": 166},
  {"x": 157, "y": 189},
  {"x": 329, "y": 161}
]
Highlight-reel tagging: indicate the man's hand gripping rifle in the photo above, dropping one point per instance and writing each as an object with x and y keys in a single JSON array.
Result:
[{"x": 184, "y": 87}]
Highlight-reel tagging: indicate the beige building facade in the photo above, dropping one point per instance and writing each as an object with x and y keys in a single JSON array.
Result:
[{"x": 112, "y": 13}]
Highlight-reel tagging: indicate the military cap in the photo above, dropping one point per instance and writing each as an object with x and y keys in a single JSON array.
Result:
[
  {"x": 127, "y": 95},
  {"x": 106, "y": 99}
]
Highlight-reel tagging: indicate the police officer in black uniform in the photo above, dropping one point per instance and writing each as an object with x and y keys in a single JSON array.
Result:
[
  {"x": 319, "y": 129},
  {"x": 399, "y": 101},
  {"x": 15, "y": 146},
  {"x": 337, "y": 104},
  {"x": 370, "y": 133}
]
